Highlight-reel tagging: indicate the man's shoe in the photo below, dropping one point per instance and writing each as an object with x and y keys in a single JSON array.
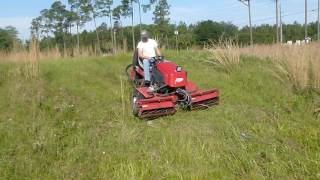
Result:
[
  {"x": 152, "y": 89},
  {"x": 147, "y": 83}
]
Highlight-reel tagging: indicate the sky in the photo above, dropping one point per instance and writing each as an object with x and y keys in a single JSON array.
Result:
[{"x": 19, "y": 13}]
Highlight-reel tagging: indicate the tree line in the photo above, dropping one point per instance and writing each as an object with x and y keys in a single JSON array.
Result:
[
  {"x": 60, "y": 19},
  {"x": 54, "y": 28},
  {"x": 9, "y": 39}
]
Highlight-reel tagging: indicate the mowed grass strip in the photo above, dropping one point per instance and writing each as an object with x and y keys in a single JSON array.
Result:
[{"x": 69, "y": 123}]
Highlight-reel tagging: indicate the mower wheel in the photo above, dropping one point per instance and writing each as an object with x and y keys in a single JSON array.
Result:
[
  {"x": 137, "y": 79},
  {"x": 136, "y": 95}
]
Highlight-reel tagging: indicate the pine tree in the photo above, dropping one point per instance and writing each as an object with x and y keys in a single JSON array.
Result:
[
  {"x": 127, "y": 7},
  {"x": 81, "y": 17},
  {"x": 103, "y": 8},
  {"x": 161, "y": 17}
]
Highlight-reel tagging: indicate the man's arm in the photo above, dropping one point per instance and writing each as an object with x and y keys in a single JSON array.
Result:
[
  {"x": 158, "y": 52},
  {"x": 157, "y": 49}
]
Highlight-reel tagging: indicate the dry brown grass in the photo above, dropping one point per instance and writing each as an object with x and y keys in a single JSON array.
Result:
[
  {"x": 31, "y": 68},
  {"x": 299, "y": 65},
  {"x": 224, "y": 55},
  {"x": 23, "y": 55}
]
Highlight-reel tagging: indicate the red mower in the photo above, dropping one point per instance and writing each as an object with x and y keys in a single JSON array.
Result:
[{"x": 171, "y": 89}]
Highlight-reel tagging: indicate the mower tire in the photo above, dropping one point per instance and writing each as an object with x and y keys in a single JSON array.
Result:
[{"x": 136, "y": 95}]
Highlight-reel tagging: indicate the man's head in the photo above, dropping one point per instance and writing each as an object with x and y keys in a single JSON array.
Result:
[{"x": 144, "y": 36}]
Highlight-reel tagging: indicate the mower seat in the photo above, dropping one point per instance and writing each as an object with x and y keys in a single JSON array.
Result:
[
  {"x": 140, "y": 63},
  {"x": 136, "y": 61}
]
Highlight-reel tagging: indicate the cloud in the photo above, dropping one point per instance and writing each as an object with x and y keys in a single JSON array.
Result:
[{"x": 21, "y": 23}]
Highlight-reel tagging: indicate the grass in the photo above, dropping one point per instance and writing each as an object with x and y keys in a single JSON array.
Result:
[{"x": 74, "y": 122}]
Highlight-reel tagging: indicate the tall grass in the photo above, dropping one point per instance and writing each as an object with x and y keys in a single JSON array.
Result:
[
  {"x": 31, "y": 68},
  {"x": 298, "y": 65},
  {"x": 224, "y": 55},
  {"x": 22, "y": 55}
]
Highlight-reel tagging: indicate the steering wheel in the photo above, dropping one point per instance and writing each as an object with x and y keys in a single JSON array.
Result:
[{"x": 158, "y": 58}]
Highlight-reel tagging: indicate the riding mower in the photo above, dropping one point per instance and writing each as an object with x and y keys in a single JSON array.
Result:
[{"x": 171, "y": 89}]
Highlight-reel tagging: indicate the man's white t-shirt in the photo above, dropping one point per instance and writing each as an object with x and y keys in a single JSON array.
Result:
[{"x": 148, "y": 48}]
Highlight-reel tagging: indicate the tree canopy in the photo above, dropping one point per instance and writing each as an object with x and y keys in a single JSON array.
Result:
[{"x": 8, "y": 38}]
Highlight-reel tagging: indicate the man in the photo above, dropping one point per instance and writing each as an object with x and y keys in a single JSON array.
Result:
[{"x": 147, "y": 49}]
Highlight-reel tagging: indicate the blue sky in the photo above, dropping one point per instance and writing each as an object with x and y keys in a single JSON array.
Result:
[{"x": 19, "y": 13}]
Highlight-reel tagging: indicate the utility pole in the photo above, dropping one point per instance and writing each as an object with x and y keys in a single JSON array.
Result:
[
  {"x": 251, "y": 36},
  {"x": 248, "y": 4},
  {"x": 306, "y": 19},
  {"x": 277, "y": 19},
  {"x": 132, "y": 28},
  {"x": 318, "y": 20},
  {"x": 140, "y": 15},
  {"x": 281, "y": 27}
]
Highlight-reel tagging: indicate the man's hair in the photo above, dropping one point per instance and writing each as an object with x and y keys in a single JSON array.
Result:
[{"x": 144, "y": 34}]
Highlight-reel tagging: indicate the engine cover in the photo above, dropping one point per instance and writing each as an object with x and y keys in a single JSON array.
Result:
[{"x": 171, "y": 76}]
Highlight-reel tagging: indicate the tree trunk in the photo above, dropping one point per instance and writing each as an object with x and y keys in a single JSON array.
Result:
[
  {"x": 71, "y": 40},
  {"x": 115, "y": 41},
  {"x": 125, "y": 45},
  {"x": 47, "y": 41},
  {"x": 97, "y": 34},
  {"x": 78, "y": 39},
  {"x": 111, "y": 29},
  {"x": 122, "y": 37},
  {"x": 78, "y": 36},
  {"x": 64, "y": 44},
  {"x": 167, "y": 42}
]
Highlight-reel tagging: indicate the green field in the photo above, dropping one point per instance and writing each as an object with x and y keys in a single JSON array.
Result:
[{"x": 74, "y": 122}]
